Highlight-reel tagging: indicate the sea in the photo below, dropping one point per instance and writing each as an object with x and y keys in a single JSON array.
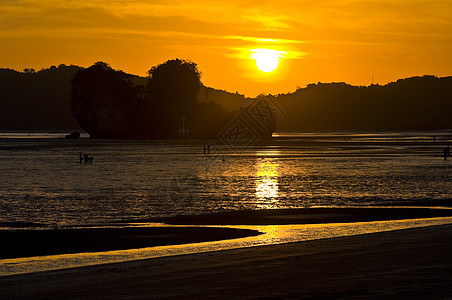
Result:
[
  {"x": 43, "y": 182},
  {"x": 44, "y": 185}
]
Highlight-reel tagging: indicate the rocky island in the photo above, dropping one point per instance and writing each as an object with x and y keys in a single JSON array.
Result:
[{"x": 170, "y": 103}]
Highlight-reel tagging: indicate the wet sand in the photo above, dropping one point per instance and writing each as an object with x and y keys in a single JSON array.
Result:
[
  {"x": 27, "y": 243},
  {"x": 306, "y": 216},
  {"x": 412, "y": 263},
  {"x": 406, "y": 264}
]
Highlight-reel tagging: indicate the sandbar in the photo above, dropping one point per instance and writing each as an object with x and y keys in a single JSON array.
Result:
[
  {"x": 27, "y": 243},
  {"x": 404, "y": 264},
  {"x": 316, "y": 215}
]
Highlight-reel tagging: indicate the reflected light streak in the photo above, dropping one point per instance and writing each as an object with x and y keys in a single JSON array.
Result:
[
  {"x": 276, "y": 234},
  {"x": 267, "y": 191}
]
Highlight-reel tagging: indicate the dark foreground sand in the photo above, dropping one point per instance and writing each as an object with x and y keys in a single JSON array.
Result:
[
  {"x": 26, "y": 243},
  {"x": 408, "y": 264}
]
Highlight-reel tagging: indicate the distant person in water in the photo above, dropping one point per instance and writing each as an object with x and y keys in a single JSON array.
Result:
[
  {"x": 204, "y": 147},
  {"x": 448, "y": 150},
  {"x": 85, "y": 158},
  {"x": 445, "y": 153}
]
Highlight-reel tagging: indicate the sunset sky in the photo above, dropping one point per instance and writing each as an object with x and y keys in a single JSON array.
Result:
[{"x": 316, "y": 41}]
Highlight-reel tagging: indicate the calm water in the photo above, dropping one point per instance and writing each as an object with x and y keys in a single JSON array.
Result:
[{"x": 42, "y": 180}]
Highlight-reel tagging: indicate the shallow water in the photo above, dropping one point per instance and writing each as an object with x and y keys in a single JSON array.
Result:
[
  {"x": 42, "y": 180},
  {"x": 275, "y": 234}
]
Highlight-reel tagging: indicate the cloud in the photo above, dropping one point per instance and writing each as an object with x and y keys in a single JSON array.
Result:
[
  {"x": 314, "y": 32},
  {"x": 268, "y": 20},
  {"x": 79, "y": 14},
  {"x": 232, "y": 24},
  {"x": 285, "y": 20}
]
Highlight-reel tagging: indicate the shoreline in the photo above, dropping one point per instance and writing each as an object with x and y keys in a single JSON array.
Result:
[
  {"x": 189, "y": 229},
  {"x": 125, "y": 242},
  {"x": 30, "y": 243},
  {"x": 404, "y": 264},
  {"x": 316, "y": 215}
]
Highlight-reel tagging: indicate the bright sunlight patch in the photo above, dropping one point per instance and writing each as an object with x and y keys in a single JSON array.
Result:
[{"x": 267, "y": 60}]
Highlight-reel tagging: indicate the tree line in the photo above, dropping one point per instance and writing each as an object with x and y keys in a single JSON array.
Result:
[
  {"x": 111, "y": 103},
  {"x": 416, "y": 103}
]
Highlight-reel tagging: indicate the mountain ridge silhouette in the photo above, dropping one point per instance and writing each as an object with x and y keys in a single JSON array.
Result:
[{"x": 33, "y": 101}]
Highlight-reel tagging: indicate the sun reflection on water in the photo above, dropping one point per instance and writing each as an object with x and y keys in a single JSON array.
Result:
[{"x": 267, "y": 191}]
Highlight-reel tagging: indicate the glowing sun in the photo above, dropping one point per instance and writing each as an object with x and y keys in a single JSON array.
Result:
[{"x": 266, "y": 60}]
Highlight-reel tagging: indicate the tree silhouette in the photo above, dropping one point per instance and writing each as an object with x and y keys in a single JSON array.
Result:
[
  {"x": 416, "y": 103},
  {"x": 37, "y": 100},
  {"x": 176, "y": 82},
  {"x": 110, "y": 104},
  {"x": 106, "y": 104},
  {"x": 173, "y": 88}
]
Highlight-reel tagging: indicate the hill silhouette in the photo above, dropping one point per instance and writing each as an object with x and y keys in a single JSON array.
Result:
[
  {"x": 417, "y": 103},
  {"x": 32, "y": 100},
  {"x": 41, "y": 100},
  {"x": 107, "y": 103}
]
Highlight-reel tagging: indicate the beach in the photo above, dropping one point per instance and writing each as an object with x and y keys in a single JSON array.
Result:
[
  {"x": 154, "y": 220},
  {"x": 28, "y": 243},
  {"x": 409, "y": 263},
  {"x": 405, "y": 264},
  {"x": 193, "y": 229}
]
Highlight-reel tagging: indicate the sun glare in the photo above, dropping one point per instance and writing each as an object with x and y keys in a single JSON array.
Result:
[
  {"x": 267, "y": 181},
  {"x": 266, "y": 60}
]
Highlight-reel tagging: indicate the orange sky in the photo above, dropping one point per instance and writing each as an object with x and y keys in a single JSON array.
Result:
[{"x": 326, "y": 41}]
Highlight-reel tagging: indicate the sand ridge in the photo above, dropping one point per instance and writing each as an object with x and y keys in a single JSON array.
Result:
[{"x": 404, "y": 264}]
